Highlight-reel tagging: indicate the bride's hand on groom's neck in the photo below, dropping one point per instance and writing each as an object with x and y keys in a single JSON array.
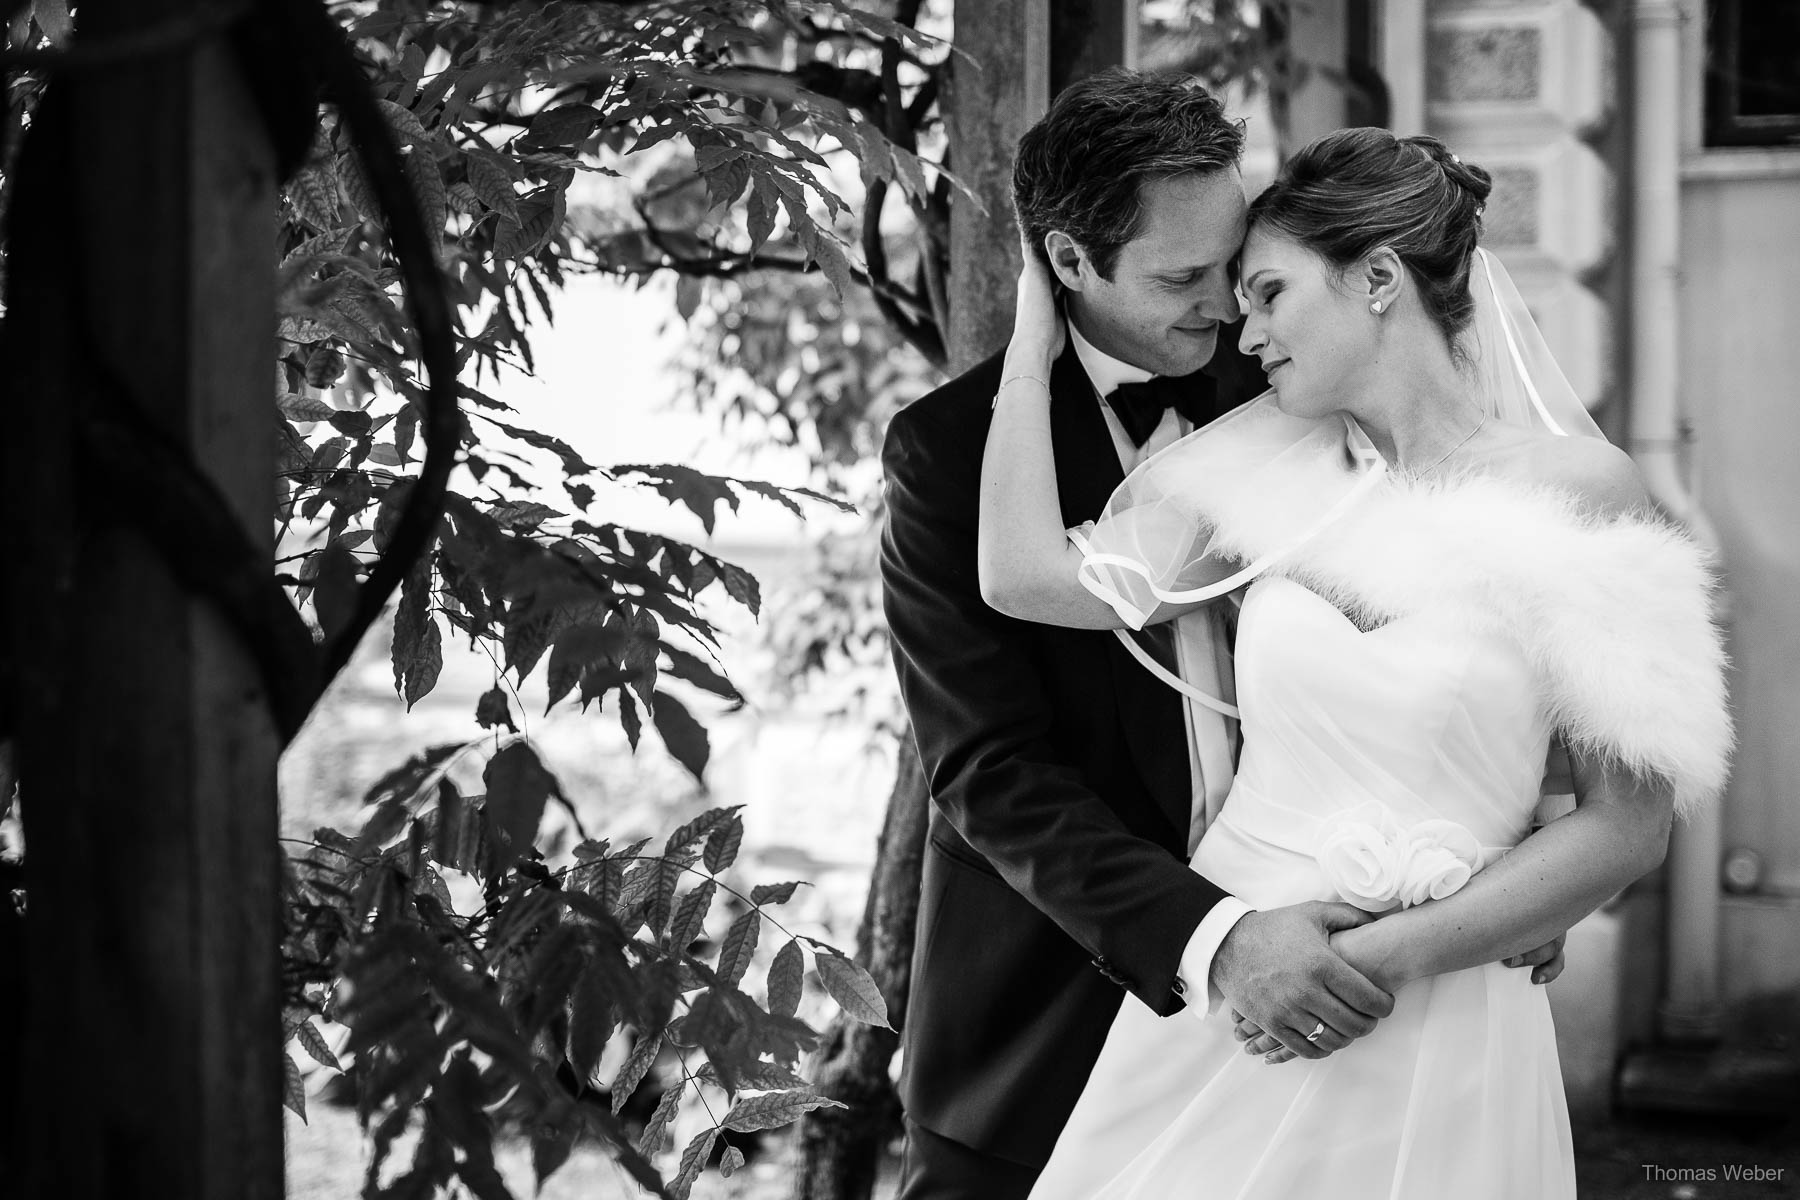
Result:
[{"x": 1039, "y": 331}]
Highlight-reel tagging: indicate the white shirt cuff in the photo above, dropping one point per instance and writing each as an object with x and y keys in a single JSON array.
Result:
[{"x": 1196, "y": 960}]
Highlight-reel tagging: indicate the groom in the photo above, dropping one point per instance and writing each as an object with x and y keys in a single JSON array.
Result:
[{"x": 1069, "y": 785}]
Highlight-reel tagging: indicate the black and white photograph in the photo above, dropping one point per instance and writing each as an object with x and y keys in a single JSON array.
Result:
[{"x": 900, "y": 600}]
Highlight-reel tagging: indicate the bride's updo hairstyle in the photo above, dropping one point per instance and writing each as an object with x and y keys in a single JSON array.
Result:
[{"x": 1358, "y": 189}]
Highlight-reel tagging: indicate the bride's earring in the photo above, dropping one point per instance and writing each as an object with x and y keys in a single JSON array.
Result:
[{"x": 1375, "y": 308}]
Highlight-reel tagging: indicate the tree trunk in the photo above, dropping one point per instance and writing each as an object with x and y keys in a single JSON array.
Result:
[
  {"x": 841, "y": 1148},
  {"x": 140, "y": 324},
  {"x": 1023, "y": 51}
]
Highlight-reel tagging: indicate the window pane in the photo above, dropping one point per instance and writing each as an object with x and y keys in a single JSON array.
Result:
[{"x": 1768, "y": 58}]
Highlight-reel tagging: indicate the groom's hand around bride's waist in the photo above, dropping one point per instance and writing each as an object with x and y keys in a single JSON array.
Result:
[{"x": 1276, "y": 969}]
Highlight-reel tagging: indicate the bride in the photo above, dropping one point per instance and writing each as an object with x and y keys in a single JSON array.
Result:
[{"x": 1442, "y": 566}]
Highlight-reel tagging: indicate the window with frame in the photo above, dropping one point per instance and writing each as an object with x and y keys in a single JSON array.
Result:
[{"x": 1753, "y": 73}]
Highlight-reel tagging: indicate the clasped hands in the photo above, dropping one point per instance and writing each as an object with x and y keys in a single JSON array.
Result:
[{"x": 1320, "y": 969}]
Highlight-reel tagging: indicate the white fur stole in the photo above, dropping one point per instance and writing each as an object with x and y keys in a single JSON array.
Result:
[{"x": 1614, "y": 614}]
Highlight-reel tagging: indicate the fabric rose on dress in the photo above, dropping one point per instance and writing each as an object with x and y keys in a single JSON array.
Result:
[
  {"x": 1361, "y": 862},
  {"x": 1375, "y": 862},
  {"x": 1440, "y": 857}
]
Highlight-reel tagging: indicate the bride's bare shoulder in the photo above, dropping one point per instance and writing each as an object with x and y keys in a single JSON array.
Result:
[{"x": 1598, "y": 472}]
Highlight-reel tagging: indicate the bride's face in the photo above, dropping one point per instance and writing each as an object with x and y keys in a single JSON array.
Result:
[{"x": 1313, "y": 333}]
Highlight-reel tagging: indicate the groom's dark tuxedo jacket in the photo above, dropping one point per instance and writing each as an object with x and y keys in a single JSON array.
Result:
[{"x": 1055, "y": 874}]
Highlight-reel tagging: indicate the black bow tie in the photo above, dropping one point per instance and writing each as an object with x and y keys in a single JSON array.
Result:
[{"x": 1140, "y": 406}]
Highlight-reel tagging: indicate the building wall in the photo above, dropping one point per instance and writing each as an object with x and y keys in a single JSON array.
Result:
[
  {"x": 1528, "y": 91},
  {"x": 1534, "y": 90},
  {"x": 1740, "y": 387}
]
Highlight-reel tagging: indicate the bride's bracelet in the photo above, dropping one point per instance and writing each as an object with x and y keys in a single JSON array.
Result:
[{"x": 1010, "y": 380}]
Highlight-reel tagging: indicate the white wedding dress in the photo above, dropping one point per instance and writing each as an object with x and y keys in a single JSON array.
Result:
[{"x": 1386, "y": 754}]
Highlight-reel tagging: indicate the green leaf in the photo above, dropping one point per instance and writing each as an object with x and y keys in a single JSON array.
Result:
[
  {"x": 293, "y": 1089},
  {"x": 334, "y": 589},
  {"x": 786, "y": 496},
  {"x": 412, "y": 68},
  {"x": 428, "y": 190},
  {"x": 53, "y": 18},
  {"x": 590, "y": 1022},
  {"x": 406, "y": 428},
  {"x": 573, "y": 464},
  {"x": 772, "y": 893},
  {"x": 685, "y": 737},
  {"x": 739, "y": 947},
  {"x": 324, "y": 366},
  {"x": 417, "y": 650},
  {"x": 428, "y": 661},
  {"x": 690, "y": 915},
  {"x": 722, "y": 845},
  {"x": 687, "y": 667},
  {"x": 787, "y": 979},
  {"x": 693, "y": 1161},
  {"x": 388, "y": 819},
  {"x": 314, "y": 1044},
  {"x": 517, "y": 787},
  {"x": 474, "y": 396},
  {"x": 689, "y": 832},
  {"x": 314, "y": 195},
  {"x": 493, "y": 710},
  {"x": 387, "y": 514},
  {"x": 357, "y": 188},
  {"x": 538, "y": 219},
  {"x": 689, "y": 291},
  {"x": 629, "y": 719},
  {"x": 655, "y": 1132},
  {"x": 493, "y": 184},
  {"x": 352, "y": 423},
  {"x": 408, "y": 131},
  {"x": 852, "y": 988},
  {"x": 731, "y": 1161},
  {"x": 561, "y": 126},
  {"x": 581, "y": 649},
  {"x": 429, "y": 883},
  {"x": 523, "y": 514},
  {"x": 666, "y": 873},
  {"x": 304, "y": 408},
  {"x": 637, "y": 1065},
  {"x": 761, "y": 216},
  {"x": 771, "y": 1110},
  {"x": 630, "y": 852},
  {"x": 741, "y": 586},
  {"x": 463, "y": 199},
  {"x": 700, "y": 493},
  {"x": 764, "y": 1076},
  {"x": 550, "y": 1149}
]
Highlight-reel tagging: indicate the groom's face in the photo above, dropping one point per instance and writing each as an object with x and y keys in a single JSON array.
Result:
[{"x": 1171, "y": 285}]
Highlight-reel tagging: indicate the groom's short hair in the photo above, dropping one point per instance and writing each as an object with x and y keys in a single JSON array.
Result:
[{"x": 1080, "y": 168}]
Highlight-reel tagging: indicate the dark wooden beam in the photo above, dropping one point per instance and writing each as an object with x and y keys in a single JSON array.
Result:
[
  {"x": 991, "y": 101},
  {"x": 152, "y": 1058},
  {"x": 1027, "y": 50}
]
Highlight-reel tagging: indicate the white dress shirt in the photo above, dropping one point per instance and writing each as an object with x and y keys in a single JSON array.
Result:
[{"x": 1203, "y": 659}]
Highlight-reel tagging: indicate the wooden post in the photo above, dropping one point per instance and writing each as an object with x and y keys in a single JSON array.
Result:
[
  {"x": 1317, "y": 37},
  {"x": 152, "y": 1042},
  {"x": 991, "y": 101},
  {"x": 1087, "y": 36},
  {"x": 1027, "y": 51}
]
